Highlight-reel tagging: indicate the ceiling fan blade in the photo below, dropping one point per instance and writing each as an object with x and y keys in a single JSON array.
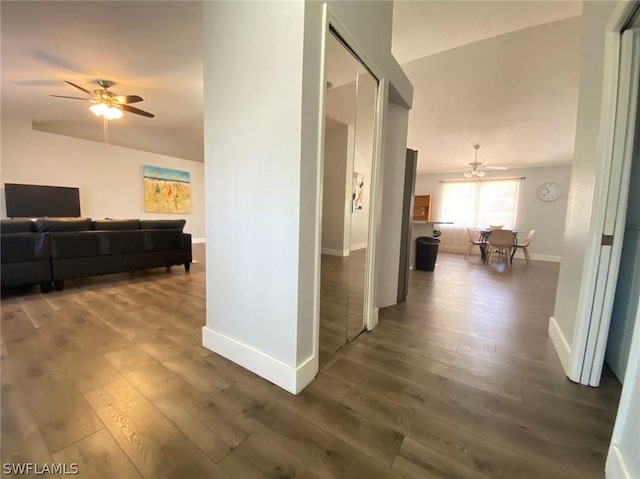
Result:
[
  {"x": 124, "y": 99},
  {"x": 72, "y": 97},
  {"x": 79, "y": 88},
  {"x": 137, "y": 111},
  {"x": 495, "y": 168}
]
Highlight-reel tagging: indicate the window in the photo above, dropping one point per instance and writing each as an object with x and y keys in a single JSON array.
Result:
[{"x": 480, "y": 203}]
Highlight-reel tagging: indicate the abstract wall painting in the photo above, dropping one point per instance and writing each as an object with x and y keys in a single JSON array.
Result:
[{"x": 166, "y": 190}]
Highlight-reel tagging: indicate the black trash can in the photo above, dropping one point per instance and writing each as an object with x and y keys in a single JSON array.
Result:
[{"x": 426, "y": 253}]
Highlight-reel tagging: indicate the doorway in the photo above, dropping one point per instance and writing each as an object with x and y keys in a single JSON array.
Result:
[
  {"x": 622, "y": 146},
  {"x": 350, "y": 105},
  {"x": 627, "y": 291}
]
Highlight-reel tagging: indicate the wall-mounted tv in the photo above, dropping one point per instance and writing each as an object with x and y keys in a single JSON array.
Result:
[{"x": 33, "y": 201}]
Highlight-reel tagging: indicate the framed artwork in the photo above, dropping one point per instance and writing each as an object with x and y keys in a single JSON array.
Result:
[
  {"x": 358, "y": 191},
  {"x": 166, "y": 190}
]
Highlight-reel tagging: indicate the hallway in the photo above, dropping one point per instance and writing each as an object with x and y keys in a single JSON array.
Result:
[{"x": 464, "y": 369}]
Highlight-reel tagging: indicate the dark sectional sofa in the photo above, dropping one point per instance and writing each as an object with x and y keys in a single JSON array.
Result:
[
  {"x": 50, "y": 250},
  {"x": 25, "y": 255}
]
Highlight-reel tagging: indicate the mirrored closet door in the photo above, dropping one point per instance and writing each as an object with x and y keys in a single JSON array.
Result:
[{"x": 348, "y": 158}]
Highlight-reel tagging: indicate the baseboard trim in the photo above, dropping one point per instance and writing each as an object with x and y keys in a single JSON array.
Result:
[
  {"x": 373, "y": 319},
  {"x": 519, "y": 256},
  {"x": 545, "y": 257},
  {"x": 305, "y": 373},
  {"x": 198, "y": 240},
  {"x": 616, "y": 467},
  {"x": 356, "y": 247},
  {"x": 289, "y": 378},
  {"x": 335, "y": 252},
  {"x": 560, "y": 343}
]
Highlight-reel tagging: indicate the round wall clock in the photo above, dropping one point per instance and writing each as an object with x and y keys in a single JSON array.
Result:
[{"x": 549, "y": 191}]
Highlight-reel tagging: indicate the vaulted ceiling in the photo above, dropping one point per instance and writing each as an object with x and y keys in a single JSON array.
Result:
[{"x": 501, "y": 74}]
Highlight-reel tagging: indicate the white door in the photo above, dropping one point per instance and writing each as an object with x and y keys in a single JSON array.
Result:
[{"x": 616, "y": 208}]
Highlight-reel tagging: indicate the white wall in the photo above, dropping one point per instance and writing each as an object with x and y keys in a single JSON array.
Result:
[
  {"x": 336, "y": 188},
  {"x": 252, "y": 175},
  {"x": 546, "y": 218},
  {"x": 585, "y": 166},
  {"x": 109, "y": 177},
  {"x": 388, "y": 250},
  {"x": 174, "y": 141}
]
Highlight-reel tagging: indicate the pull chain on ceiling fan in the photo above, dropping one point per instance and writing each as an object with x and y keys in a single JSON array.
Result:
[{"x": 107, "y": 104}]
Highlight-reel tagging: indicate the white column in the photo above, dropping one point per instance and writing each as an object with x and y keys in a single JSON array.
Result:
[{"x": 252, "y": 108}]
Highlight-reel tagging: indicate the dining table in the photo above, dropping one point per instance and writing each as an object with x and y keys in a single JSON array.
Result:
[{"x": 484, "y": 237}]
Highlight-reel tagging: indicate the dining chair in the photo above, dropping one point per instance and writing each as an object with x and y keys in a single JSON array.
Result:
[
  {"x": 525, "y": 245},
  {"x": 502, "y": 242},
  {"x": 474, "y": 240}
]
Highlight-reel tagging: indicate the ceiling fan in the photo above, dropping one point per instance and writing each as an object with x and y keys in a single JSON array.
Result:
[
  {"x": 106, "y": 103},
  {"x": 477, "y": 168}
]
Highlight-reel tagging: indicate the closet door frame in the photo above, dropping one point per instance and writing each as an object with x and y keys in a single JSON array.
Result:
[{"x": 331, "y": 24}]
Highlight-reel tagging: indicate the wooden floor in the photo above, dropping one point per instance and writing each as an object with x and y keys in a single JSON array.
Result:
[{"x": 458, "y": 382}]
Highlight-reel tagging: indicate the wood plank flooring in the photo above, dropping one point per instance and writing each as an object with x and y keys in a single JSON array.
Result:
[{"x": 460, "y": 381}]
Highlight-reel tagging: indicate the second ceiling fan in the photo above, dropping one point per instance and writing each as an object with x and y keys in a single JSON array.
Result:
[{"x": 477, "y": 168}]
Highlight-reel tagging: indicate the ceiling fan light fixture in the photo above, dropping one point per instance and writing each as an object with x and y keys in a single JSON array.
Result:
[
  {"x": 108, "y": 112},
  {"x": 106, "y": 103},
  {"x": 476, "y": 168},
  {"x": 99, "y": 109},
  {"x": 475, "y": 172},
  {"x": 112, "y": 113}
]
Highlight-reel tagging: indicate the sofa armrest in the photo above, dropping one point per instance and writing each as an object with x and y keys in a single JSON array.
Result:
[{"x": 21, "y": 247}]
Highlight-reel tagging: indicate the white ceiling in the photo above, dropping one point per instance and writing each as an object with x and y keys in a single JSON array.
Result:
[
  {"x": 495, "y": 73},
  {"x": 500, "y": 74},
  {"x": 423, "y": 28},
  {"x": 516, "y": 95}
]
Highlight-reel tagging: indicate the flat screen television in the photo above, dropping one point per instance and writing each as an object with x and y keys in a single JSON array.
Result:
[{"x": 34, "y": 201}]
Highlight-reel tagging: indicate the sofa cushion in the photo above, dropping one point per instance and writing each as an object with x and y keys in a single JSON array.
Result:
[
  {"x": 83, "y": 244},
  {"x": 17, "y": 226},
  {"x": 51, "y": 225},
  {"x": 75, "y": 244},
  {"x": 162, "y": 224},
  {"x": 124, "y": 242},
  {"x": 116, "y": 225}
]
